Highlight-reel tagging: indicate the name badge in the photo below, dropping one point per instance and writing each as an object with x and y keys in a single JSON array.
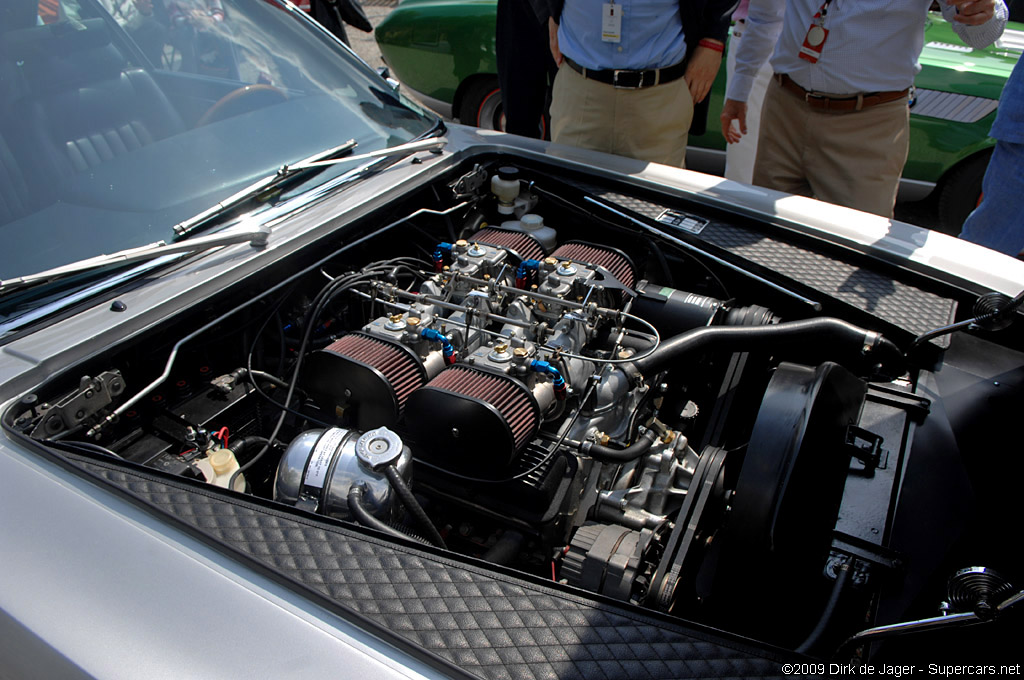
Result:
[
  {"x": 816, "y": 36},
  {"x": 611, "y": 22}
]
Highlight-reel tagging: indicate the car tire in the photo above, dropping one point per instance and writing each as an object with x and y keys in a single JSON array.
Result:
[
  {"x": 960, "y": 192},
  {"x": 481, "y": 105}
]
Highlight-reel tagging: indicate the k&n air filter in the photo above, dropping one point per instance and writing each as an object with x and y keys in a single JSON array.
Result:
[
  {"x": 522, "y": 245},
  {"x": 609, "y": 258},
  {"x": 472, "y": 421},
  {"x": 367, "y": 377}
]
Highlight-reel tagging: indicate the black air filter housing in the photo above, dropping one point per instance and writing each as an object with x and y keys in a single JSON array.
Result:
[
  {"x": 472, "y": 421},
  {"x": 369, "y": 377}
]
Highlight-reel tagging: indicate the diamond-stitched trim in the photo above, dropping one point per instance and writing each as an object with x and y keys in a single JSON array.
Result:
[
  {"x": 490, "y": 624},
  {"x": 898, "y": 303}
]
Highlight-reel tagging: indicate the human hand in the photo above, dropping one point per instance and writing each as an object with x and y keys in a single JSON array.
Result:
[
  {"x": 701, "y": 71},
  {"x": 733, "y": 110},
  {"x": 973, "y": 12},
  {"x": 556, "y": 53}
]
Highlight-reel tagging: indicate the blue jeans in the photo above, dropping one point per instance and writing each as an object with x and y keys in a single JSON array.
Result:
[{"x": 998, "y": 223}]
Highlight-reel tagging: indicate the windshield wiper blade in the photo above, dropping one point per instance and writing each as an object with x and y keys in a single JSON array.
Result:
[
  {"x": 270, "y": 186},
  {"x": 258, "y": 190},
  {"x": 257, "y": 238}
]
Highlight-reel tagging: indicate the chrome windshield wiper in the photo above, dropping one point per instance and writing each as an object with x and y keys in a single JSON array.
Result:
[
  {"x": 257, "y": 238},
  {"x": 270, "y": 186}
]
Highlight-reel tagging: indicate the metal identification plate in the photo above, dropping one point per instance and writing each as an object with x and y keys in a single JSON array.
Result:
[{"x": 681, "y": 220}]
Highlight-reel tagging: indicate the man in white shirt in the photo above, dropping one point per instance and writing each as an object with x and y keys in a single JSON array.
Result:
[{"x": 835, "y": 121}]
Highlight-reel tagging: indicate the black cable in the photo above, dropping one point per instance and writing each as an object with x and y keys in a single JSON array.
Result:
[
  {"x": 85, "y": 446},
  {"x": 321, "y": 300},
  {"x": 241, "y": 445},
  {"x": 363, "y": 516},
  {"x": 842, "y": 578},
  {"x": 413, "y": 506}
]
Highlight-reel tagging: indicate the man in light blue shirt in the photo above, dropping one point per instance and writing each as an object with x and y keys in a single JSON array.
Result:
[
  {"x": 630, "y": 72},
  {"x": 835, "y": 122}
]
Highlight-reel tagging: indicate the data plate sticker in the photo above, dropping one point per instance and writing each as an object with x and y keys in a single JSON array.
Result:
[
  {"x": 680, "y": 220},
  {"x": 323, "y": 454}
]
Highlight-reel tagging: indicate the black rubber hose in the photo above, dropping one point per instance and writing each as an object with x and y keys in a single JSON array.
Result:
[
  {"x": 413, "y": 506},
  {"x": 826, "y": 331},
  {"x": 506, "y": 549},
  {"x": 606, "y": 454},
  {"x": 842, "y": 578},
  {"x": 241, "y": 445},
  {"x": 364, "y": 517}
]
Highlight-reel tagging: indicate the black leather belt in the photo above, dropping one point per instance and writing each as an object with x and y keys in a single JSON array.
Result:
[{"x": 630, "y": 80}]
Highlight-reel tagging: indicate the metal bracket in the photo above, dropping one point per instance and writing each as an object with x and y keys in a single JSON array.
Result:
[{"x": 867, "y": 448}]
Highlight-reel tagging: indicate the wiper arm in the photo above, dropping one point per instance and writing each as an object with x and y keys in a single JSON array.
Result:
[
  {"x": 259, "y": 190},
  {"x": 270, "y": 186},
  {"x": 256, "y": 238}
]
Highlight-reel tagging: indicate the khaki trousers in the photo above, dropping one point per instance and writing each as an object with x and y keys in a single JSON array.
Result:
[
  {"x": 851, "y": 159},
  {"x": 649, "y": 124}
]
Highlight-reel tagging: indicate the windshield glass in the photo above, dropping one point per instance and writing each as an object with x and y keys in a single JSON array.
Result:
[{"x": 122, "y": 118}]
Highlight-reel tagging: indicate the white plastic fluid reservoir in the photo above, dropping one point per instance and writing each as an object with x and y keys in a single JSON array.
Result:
[
  {"x": 506, "y": 190},
  {"x": 534, "y": 226},
  {"x": 218, "y": 466}
]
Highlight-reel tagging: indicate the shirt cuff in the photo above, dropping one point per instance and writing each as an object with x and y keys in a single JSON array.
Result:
[{"x": 739, "y": 87}]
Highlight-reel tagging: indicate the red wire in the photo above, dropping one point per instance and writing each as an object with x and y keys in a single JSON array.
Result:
[{"x": 553, "y": 571}]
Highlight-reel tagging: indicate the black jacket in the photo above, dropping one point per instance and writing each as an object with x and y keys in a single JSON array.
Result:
[{"x": 701, "y": 19}]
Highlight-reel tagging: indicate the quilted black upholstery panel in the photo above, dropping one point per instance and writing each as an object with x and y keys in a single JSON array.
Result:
[
  {"x": 492, "y": 625},
  {"x": 902, "y": 305}
]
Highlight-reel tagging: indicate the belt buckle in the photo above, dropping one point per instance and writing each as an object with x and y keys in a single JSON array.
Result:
[
  {"x": 816, "y": 100},
  {"x": 618, "y": 72}
]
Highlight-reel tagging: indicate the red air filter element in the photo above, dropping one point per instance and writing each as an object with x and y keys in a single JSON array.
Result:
[
  {"x": 369, "y": 376},
  {"x": 472, "y": 420},
  {"x": 609, "y": 258},
  {"x": 523, "y": 246}
]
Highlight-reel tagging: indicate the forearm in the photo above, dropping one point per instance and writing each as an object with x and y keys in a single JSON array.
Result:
[{"x": 763, "y": 27}]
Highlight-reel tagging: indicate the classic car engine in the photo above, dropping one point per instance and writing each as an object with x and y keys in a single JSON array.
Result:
[{"x": 544, "y": 386}]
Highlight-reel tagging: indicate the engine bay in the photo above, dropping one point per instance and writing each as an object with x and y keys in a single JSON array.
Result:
[{"x": 503, "y": 368}]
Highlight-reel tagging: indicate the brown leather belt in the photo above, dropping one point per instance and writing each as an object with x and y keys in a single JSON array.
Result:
[
  {"x": 839, "y": 104},
  {"x": 630, "y": 80}
]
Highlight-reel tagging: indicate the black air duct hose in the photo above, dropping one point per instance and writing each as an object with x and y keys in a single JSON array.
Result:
[
  {"x": 846, "y": 338},
  {"x": 413, "y": 506},
  {"x": 363, "y": 516}
]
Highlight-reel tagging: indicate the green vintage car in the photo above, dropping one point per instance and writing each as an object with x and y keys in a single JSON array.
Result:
[{"x": 443, "y": 50}]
